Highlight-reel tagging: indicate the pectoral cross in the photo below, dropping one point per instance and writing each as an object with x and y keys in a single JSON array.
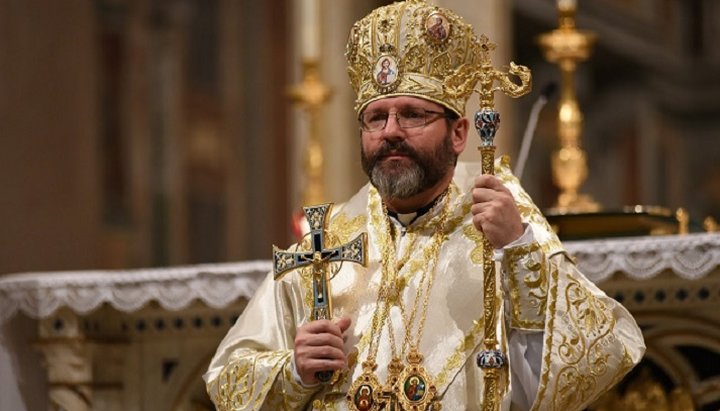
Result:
[
  {"x": 319, "y": 259},
  {"x": 389, "y": 400}
]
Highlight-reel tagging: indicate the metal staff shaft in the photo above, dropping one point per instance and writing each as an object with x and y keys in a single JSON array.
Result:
[{"x": 491, "y": 359}]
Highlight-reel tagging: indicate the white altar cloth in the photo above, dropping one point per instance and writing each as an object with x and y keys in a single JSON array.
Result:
[
  {"x": 39, "y": 295},
  {"x": 689, "y": 256}
]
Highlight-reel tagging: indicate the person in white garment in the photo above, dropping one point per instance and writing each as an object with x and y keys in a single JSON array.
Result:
[{"x": 408, "y": 326}]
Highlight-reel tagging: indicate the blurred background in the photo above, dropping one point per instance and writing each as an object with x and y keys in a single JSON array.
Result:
[
  {"x": 143, "y": 133},
  {"x": 156, "y": 133}
]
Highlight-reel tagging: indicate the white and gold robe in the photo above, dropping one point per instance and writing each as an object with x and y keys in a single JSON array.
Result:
[{"x": 567, "y": 342}]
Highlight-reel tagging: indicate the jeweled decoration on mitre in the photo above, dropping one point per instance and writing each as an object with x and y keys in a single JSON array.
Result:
[{"x": 413, "y": 48}]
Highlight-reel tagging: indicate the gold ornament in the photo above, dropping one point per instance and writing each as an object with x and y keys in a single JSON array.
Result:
[
  {"x": 406, "y": 387},
  {"x": 413, "y": 48}
]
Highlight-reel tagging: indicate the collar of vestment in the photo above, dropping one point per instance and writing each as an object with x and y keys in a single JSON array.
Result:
[{"x": 406, "y": 219}]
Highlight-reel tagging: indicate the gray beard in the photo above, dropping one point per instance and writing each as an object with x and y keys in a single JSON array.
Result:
[
  {"x": 399, "y": 184},
  {"x": 405, "y": 179}
]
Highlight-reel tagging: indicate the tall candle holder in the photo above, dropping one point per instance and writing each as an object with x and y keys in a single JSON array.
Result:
[
  {"x": 310, "y": 95},
  {"x": 566, "y": 46}
]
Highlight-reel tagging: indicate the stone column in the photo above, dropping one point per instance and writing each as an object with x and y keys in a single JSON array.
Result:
[{"x": 68, "y": 359}]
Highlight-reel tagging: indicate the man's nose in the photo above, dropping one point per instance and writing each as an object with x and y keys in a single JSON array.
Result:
[{"x": 392, "y": 130}]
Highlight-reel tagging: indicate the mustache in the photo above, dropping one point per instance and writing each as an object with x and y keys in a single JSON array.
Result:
[{"x": 399, "y": 147}]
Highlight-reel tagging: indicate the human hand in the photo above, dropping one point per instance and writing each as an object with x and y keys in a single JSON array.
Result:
[
  {"x": 494, "y": 211},
  {"x": 319, "y": 346}
]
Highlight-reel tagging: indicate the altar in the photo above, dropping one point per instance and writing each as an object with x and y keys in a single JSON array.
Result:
[
  {"x": 141, "y": 339},
  {"x": 117, "y": 340}
]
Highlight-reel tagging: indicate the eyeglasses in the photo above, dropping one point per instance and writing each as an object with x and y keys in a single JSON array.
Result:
[{"x": 406, "y": 118}]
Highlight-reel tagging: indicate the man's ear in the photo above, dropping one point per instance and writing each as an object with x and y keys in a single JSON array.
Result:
[{"x": 458, "y": 134}]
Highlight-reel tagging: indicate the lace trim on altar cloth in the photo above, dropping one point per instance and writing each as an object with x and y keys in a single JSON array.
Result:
[
  {"x": 690, "y": 256},
  {"x": 39, "y": 295}
]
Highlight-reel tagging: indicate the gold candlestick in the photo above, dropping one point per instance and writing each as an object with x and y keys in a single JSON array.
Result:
[
  {"x": 567, "y": 46},
  {"x": 683, "y": 219},
  {"x": 710, "y": 225},
  {"x": 311, "y": 94}
]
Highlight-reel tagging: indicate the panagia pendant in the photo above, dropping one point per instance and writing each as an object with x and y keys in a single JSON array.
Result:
[
  {"x": 394, "y": 369},
  {"x": 364, "y": 393},
  {"x": 414, "y": 389}
]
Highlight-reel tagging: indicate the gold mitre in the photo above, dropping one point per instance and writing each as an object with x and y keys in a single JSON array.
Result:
[{"x": 413, "y": 48}]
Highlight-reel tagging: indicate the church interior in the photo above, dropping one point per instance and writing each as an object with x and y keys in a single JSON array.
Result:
[{"x": 154, "y": 150}]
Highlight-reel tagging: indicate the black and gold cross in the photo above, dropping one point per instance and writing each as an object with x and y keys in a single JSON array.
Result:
[{"x": 319, "y": 258}]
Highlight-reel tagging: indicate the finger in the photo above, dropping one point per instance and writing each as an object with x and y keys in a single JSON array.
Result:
[
  {"x": 487, "y": 181},
  {"x": 482, "y": 195},
  {"x": 488, "y": 216},
  {"x": 479, "y": 208},
  {"x": 325, "y": 352},
  {"x": 317, "y": 359},
  {"x": 322, "y": 332},
  {"x": 477, "y": 222},
  {"x": 321, "y": 326},
  {"x": 490, "y": 182},
  {"x": 499, "y": 212},
  {"x": 343, "y": 323},
  {"x": 484, "y": 221},
  {"x": 317, "y": 340},
  {"x": 487, "y": 196},
  {"x": 322, "y": 364}
]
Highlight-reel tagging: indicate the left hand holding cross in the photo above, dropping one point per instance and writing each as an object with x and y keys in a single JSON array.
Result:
[{"x": 323, "y": 337}]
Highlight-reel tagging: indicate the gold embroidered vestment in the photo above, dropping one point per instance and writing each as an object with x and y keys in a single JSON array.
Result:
[{"x": 589, "y": 341}]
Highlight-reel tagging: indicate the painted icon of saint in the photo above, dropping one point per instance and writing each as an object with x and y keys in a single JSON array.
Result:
[
  {"x": 414, "y": 388},
  {"x": 437, "y": 27},
  {"x": 386, "y": 74},
  {"x": 363, "y": 399}
]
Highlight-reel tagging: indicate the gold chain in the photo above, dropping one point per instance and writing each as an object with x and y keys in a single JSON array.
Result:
[
  {"x": 430, "y": 254},
  {"x": 379, "y": 318},
  {"x": 389, "y": 256},
  {"x": 387, "y": 293},
  {"x": 390, "y": 293}
]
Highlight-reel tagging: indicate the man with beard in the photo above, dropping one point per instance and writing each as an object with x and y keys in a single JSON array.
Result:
[{"x": 410, "y": 323}]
